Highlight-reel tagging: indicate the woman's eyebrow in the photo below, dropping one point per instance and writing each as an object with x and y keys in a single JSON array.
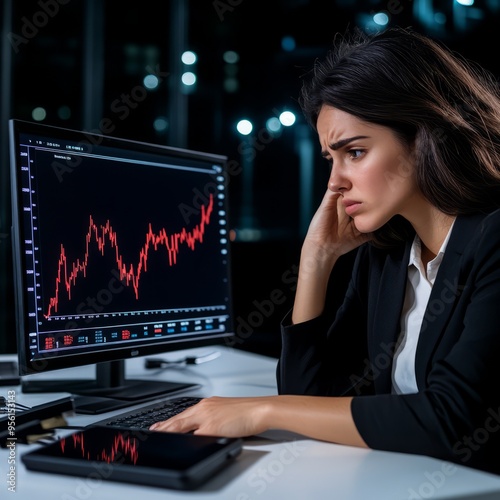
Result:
[{"x": 342, "y": 142}]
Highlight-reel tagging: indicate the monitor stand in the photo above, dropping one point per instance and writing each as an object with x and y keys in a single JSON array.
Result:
[{"x": 110, "y": 390}]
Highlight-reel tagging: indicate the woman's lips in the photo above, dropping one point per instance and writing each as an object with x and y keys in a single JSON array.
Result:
[{"x": 351, "y": 206}]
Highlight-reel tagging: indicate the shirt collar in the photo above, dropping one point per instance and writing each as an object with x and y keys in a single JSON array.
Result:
[{"x": 433, "y": 265}]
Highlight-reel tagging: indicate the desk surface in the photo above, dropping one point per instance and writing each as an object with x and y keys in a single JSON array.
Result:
[{"x": 273, "y": 465}]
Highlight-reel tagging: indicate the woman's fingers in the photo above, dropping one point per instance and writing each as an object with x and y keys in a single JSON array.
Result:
[{"x": 217, "y": 416}]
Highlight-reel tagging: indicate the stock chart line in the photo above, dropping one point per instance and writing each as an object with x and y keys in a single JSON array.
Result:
[
  {"x": 122, "y": 446},
  {"x": 104, "y": 235}
]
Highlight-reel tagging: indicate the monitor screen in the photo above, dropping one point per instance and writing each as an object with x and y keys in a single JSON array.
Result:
[{"x": 121, "y": 249}]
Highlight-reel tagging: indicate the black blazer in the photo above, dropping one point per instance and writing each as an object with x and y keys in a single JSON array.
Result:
[{"x": 455, "y": 415}]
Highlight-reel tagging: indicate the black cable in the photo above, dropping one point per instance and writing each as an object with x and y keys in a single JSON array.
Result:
[
  {"x": 5, "y": 404},
  {"x": 153, "y": 363}
]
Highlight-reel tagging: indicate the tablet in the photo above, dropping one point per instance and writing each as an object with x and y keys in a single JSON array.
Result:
[{"x": 162, "y": 459}]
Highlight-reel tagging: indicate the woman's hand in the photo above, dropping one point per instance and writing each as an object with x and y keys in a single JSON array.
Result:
[
  {"x": 331, "y": 231},
  {"x": 323, "y": 418},
  {"x": 219, "y": 416}
]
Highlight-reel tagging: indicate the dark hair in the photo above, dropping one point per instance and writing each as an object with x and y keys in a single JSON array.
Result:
[{"x": 448, "y": 108}]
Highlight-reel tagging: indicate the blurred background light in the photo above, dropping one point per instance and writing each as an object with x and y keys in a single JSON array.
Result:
[
  {"x": 151, "y": 82},
  {"x": 160, "y": 124},
  {"x": 189, "y": 57},
  {"x": 39, "y": 114},
  {"x": 244, "y": 127},
  {"x": 64, "y": 112},
  {"x": 231, "y": 84},
  {"x": 288, "y": 43},
  {"x": 230, "y": 57},
  {"x": 188, "y": 78},
  {"x": 273, "y": 125},
  {"x": 287, "y": 118},
  {"x": 381, "y": 18}
]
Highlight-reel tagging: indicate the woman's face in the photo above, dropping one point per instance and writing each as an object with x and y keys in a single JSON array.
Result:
[{"x": 370, "y": 168}]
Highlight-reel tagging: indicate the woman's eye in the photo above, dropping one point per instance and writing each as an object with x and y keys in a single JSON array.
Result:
[{"x": 355, "y": 153}]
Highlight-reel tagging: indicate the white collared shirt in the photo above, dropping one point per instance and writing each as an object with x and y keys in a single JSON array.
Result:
[{"x": 418, "y": 289}]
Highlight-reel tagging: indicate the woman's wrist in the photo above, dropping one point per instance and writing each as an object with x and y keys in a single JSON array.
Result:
[
  {"x": 316, "y": 260},
  {"x": 269, "y": 413}
]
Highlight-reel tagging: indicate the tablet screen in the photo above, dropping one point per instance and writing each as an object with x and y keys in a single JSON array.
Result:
[
  {"x": 133, "y": 447},
  {"x": 145, "y": 457}
]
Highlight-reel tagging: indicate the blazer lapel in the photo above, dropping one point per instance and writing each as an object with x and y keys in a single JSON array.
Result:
[
  {"x": 387, "y": 317},
  {"x": 444, "y": 295}
]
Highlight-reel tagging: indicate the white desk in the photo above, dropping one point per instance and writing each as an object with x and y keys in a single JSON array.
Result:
[{"x": 275, "y": 465}]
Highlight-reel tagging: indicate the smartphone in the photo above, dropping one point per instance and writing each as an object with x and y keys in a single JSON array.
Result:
[{"x": 152, "y": 458}]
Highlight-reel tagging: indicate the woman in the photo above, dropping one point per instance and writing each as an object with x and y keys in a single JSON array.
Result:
[{"x": 407, "y": 361}]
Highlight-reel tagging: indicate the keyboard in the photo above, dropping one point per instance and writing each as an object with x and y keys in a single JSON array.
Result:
[{"x": 144, "y": 417}]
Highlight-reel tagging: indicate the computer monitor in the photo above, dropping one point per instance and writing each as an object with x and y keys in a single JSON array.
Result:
[{"x": 121, "y": 249}]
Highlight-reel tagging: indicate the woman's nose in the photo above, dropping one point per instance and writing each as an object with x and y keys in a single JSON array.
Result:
[{"x": 338, "y": 182}]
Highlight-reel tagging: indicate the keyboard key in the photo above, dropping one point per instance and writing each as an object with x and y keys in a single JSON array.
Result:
[{"x": 144, "y": 417}]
